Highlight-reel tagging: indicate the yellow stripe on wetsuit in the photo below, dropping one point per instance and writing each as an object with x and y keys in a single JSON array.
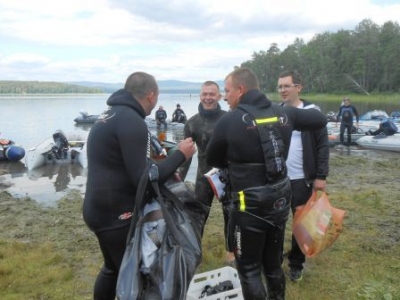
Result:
[
  {"x": 266, "y": 120},
  {"x": 242, "y": 206},
  {"x": 275, "y": 119}
]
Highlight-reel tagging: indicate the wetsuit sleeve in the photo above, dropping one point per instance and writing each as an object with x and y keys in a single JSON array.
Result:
[
  {"x": 355, "y": 113},
  {"x": 217, "y": 148},
  {"x": 134, "y": 152},
  {"x": 168, "y": 166},
  {"x": 305, "y": 119},
  {"x": 187, "y": 132}
]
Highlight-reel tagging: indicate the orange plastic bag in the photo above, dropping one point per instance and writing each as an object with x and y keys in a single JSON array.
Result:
[{"x": 317, "y": 224}]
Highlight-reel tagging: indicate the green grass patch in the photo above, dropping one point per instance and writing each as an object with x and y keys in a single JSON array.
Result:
[{"x": 49, "y": 253}]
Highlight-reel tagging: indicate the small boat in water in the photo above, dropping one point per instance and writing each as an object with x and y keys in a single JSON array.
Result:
[
  {"x": 60, "y": 148},
  {"x": 85, "y": 118},
  {"x": 9, "y": 151},
  {"x": 375, "y": 114},
  {"x": 381, "y": 142}
]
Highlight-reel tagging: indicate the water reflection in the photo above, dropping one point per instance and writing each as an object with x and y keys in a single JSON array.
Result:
[
  {"x": 49, "y": 183},
  {"x": 45, "y": 184},
  {"x": 59, "y": 174}
]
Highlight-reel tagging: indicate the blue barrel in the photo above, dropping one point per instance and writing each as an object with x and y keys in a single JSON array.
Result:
[{"x": 14, "y": 153}]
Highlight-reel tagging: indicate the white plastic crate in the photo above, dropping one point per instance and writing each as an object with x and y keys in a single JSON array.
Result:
[{"x": 213, "y": 278}]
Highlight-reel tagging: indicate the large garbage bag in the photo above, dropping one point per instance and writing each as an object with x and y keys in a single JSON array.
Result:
[{"x": 179, "y": 252}]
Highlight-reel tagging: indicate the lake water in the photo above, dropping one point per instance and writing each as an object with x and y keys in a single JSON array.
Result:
[{"x": 30, "y": 119}]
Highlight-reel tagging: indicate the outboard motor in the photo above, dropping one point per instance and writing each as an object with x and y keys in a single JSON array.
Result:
[
  {"x": 61, "y": 146},
  {"x": 84, "y": 114}
]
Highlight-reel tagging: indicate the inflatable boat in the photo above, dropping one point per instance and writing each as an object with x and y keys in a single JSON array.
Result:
[
  {"x": 9, "y": 151},
  {"x": 381, "y": 142},
  {"x": 60, "y": 148}
]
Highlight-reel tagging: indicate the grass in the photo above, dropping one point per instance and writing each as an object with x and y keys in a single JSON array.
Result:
[{"x": 48, "y": 253}]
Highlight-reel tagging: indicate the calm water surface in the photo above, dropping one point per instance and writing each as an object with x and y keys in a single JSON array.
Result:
[{"x": 30, "y": 119}]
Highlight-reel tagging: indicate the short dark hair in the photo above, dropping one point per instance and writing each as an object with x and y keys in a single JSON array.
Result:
[
  {"x": 140, "y": 84},
  {"x": 210, "y": 82},
  {"x": 292, "y": 73},
  {"x": 245, "y": 77}
]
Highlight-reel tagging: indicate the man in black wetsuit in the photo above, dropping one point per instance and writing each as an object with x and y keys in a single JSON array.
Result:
[
  {"x": 118, "y": 146},
  {"x": 179, "y": 115},
  {"x": 346, "y": 115},
  {"x": 161, "y": 116},
  {"x": 200, "y": 128},
  {"x": 252, "y": 142}
]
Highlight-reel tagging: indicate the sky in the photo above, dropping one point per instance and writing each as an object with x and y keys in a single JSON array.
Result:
[{"x": 189, "y": 40}]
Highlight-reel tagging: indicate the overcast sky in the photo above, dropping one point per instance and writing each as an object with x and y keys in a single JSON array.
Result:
[{"x": 191, "y": 40}]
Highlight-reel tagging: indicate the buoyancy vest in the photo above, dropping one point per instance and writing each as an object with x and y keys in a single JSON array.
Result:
[
  {"x": 270, "y": 202},
  {"x": 347, "y": 114},
  {"x": 267, "y": 122}
]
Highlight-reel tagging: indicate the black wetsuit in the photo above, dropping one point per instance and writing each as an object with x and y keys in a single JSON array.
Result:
[
  {"x": 236, "y": 145},
  {"x": 161, "y": 117},
  {"x": 200, "y": 128},
  {"x": 117, "y": 148},
  {"x": 179, "y": 116},
  {"x": 346, "y": 114}
]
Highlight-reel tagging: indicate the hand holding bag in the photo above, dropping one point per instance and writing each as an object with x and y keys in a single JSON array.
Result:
[{"x": 317, "y": 224}]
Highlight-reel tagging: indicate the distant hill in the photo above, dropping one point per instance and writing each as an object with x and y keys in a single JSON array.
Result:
[
  {"x": 44, "y": 87},
  {"x": 48, "y": 87},
  {"x": 166, "y": 86}
]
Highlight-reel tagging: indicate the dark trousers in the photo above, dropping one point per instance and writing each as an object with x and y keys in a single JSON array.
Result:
[
  {"x": 258, "y": 248},
  {"x": 301, "y": 192},
  {"x": 343, "y": 128},
  {"x": 112, "y": 244}
]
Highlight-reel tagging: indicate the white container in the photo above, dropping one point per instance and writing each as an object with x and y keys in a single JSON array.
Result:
[{"x": 213, "y": 278}]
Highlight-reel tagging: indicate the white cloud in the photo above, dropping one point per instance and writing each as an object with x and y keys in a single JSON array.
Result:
[{"x": 100, "y": 40}]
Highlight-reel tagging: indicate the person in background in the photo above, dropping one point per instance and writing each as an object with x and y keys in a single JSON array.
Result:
[
  {"x": 115, "y": 171},
  {"x": 252, "y": 143},
  {"x": 200, "y": 128},
  {"x": 307, "y": 162},
  {"x": 161, "y": 116},
  {"x": 179, "y": 115},
  {"x": 346, "y": 115}
]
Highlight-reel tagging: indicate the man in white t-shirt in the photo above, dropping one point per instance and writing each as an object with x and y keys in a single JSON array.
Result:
[{"x": 307, "y": 163}]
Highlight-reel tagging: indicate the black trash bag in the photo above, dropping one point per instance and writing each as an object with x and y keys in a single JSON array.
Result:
[{"x": 179, "y": 254}]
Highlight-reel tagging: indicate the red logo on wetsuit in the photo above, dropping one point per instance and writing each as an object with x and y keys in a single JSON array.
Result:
[{"x": 125, "y": 216}]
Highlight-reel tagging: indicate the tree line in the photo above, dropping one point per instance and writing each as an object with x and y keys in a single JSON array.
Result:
[
  {"x": 363, "y": 60},
  {"x": 42, "y": 87}
]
